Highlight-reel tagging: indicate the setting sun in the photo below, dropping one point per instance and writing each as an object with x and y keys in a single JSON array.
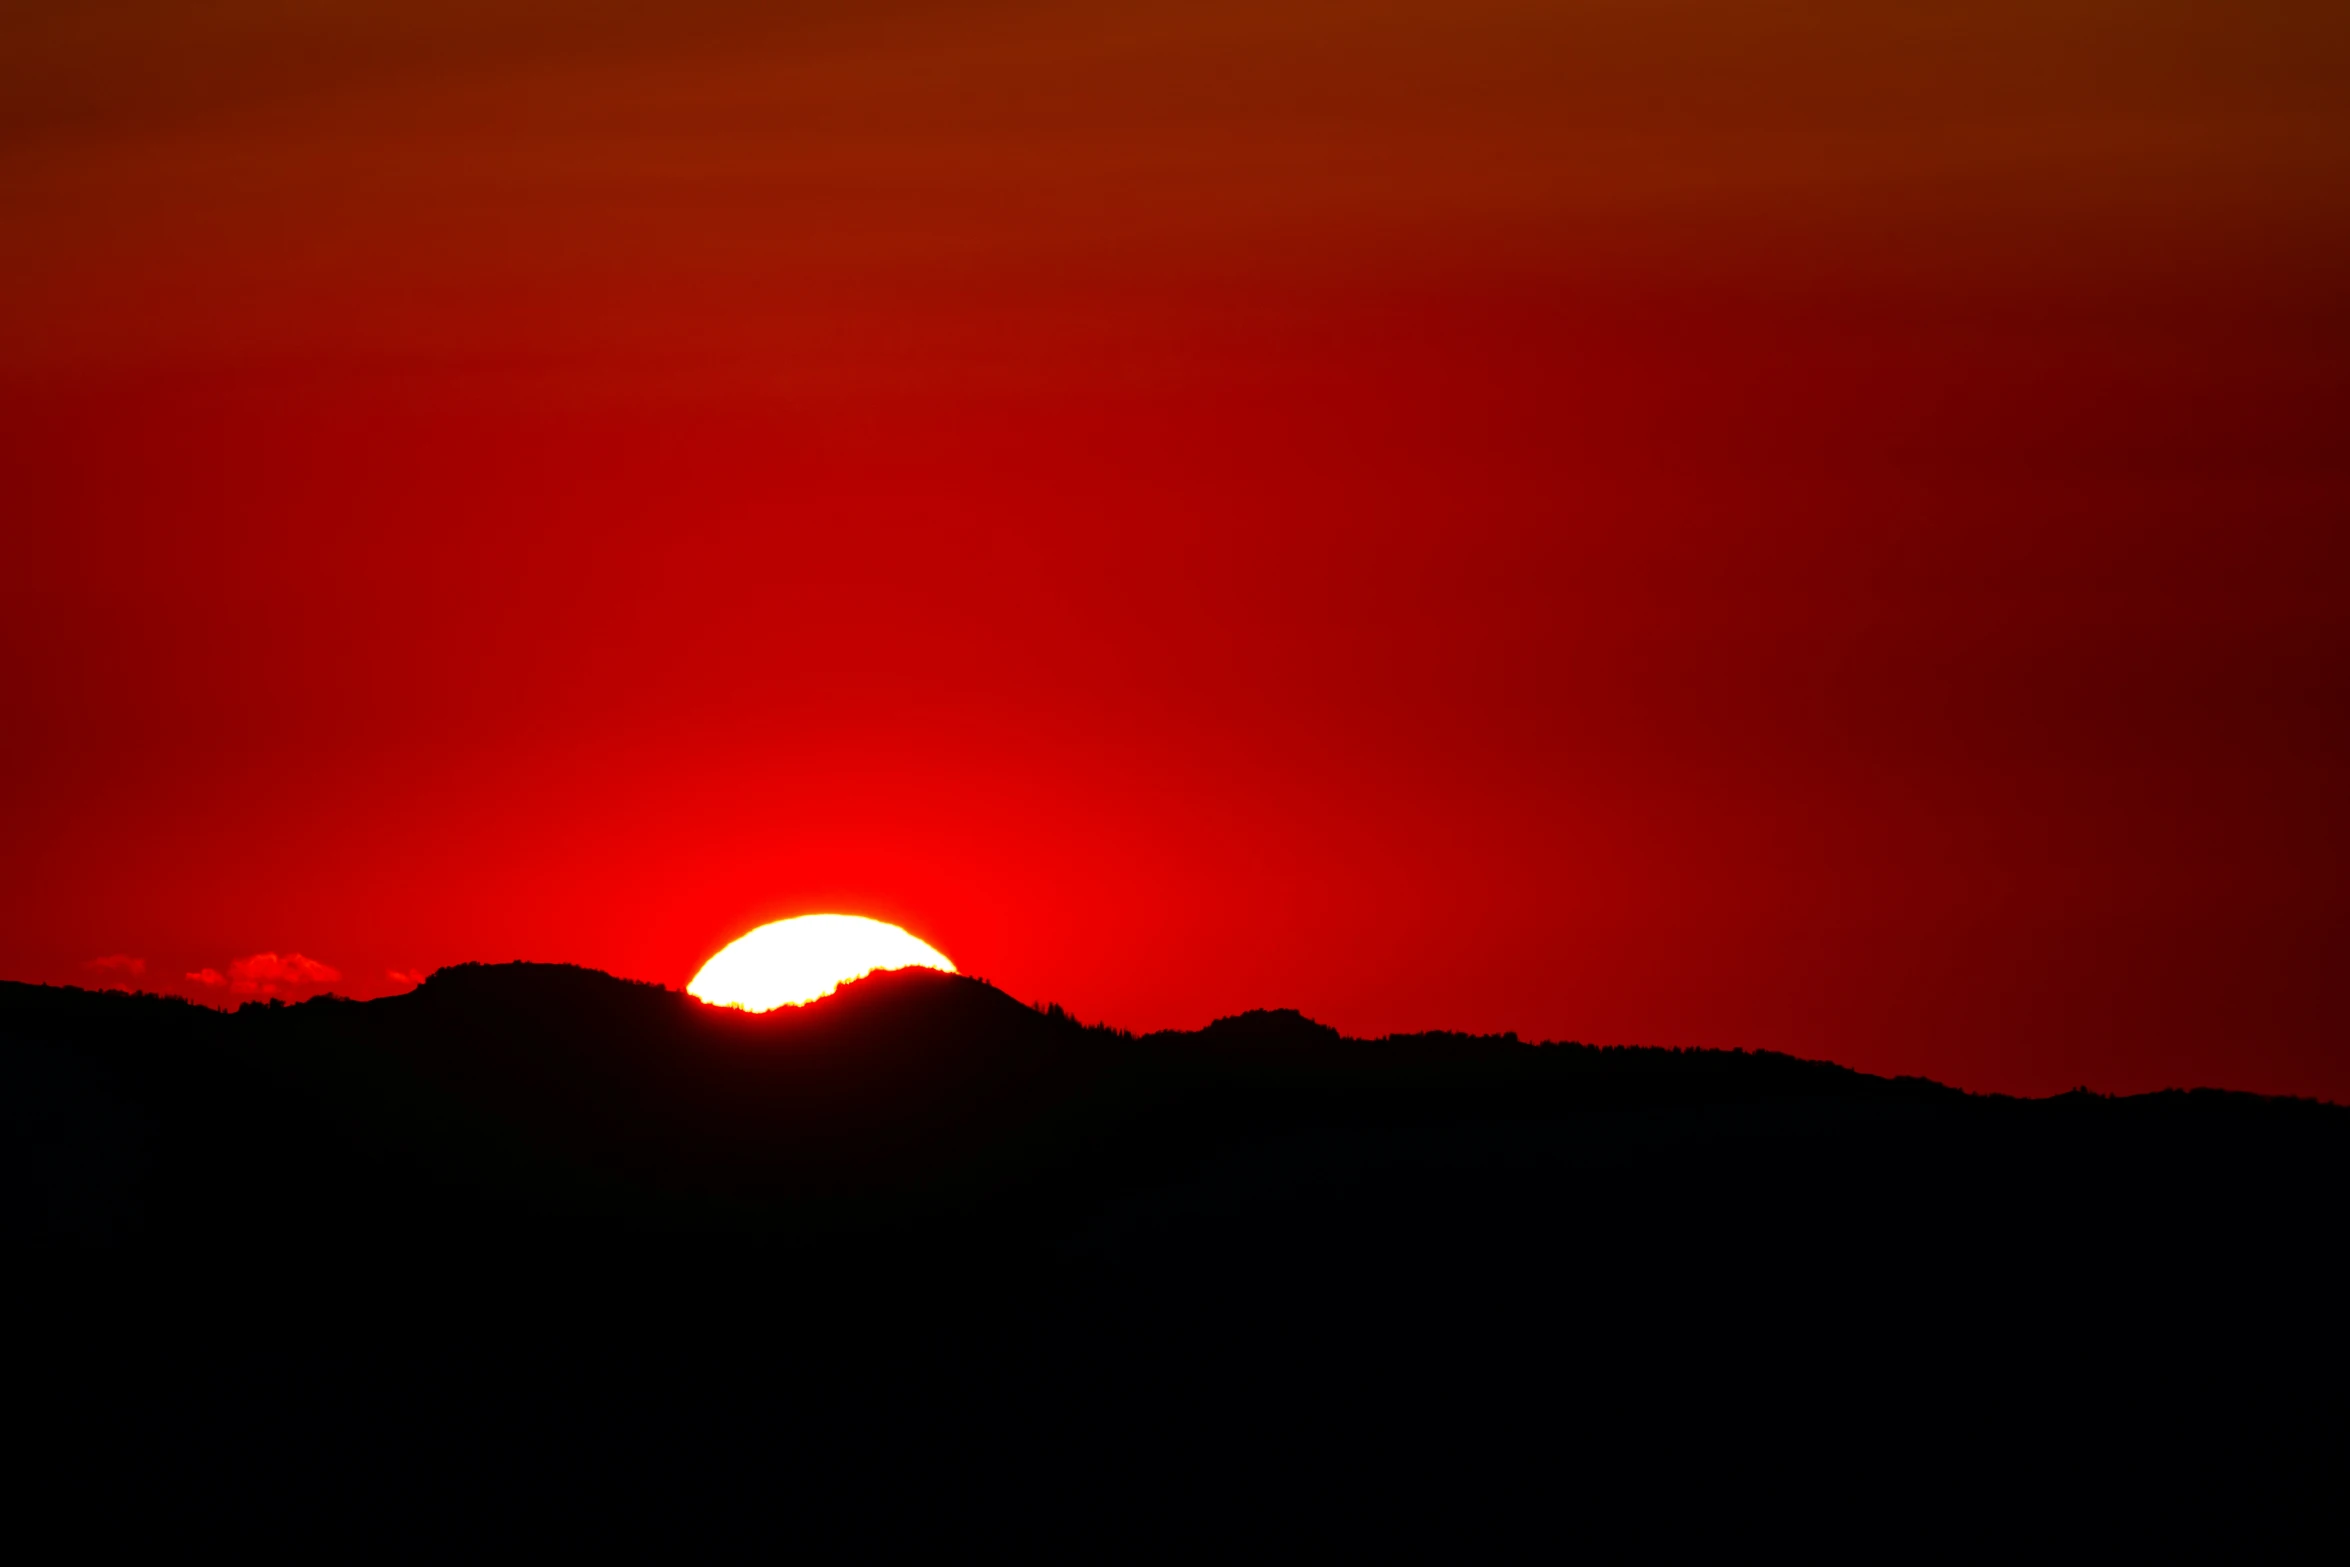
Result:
[{"x": 798, "y": 960}]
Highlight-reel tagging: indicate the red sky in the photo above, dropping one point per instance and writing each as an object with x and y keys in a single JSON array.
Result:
[{"x": 1639, "y": 522}]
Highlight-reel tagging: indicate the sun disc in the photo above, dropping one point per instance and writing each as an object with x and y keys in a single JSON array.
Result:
[{"x": 795, "y": 961}]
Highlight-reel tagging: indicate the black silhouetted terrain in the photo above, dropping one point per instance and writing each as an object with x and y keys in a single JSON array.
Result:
[{"x": 573, "y": 1255}]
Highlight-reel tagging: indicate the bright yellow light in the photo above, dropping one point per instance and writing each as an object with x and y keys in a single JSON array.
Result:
[{"x": 794, "y": 961}]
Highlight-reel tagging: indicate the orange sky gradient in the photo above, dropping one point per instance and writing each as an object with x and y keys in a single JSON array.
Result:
[{"x": 1815, "y": 528}]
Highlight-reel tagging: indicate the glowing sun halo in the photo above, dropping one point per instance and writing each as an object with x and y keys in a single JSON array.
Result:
[{"x": 797, "y": 960}]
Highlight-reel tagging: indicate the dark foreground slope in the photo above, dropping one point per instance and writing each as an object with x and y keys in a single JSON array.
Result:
[{"x": 533, "y": 1248}]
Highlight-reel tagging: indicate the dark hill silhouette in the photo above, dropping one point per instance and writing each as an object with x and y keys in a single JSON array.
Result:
[{"x": 918, "y": 1259}]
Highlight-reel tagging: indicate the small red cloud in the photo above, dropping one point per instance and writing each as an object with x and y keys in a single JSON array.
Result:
[
  {"x": 116, "y": 970},
  {"x": 268, "y": 974},
  {"x": 410, "y": 977}
]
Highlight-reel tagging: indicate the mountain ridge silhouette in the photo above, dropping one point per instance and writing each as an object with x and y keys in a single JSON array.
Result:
[{"x": 587, "y": 1242}]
